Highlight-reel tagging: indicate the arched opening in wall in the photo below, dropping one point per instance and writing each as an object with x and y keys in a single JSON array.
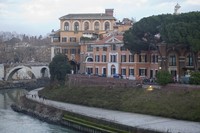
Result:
[
  {"x": 76, "y": 26},
  {"x": 89, "y": 59},
  {"x": 96, "y": 26},
  {"x": 107, "y": 26},
  {"x": 75, "y": 66},
  {"x": 44, "y": 72},
  {"x": 86, "y": 26},
  {"x": 20, "y": 73},
  {"x": 66, "y": 26}
]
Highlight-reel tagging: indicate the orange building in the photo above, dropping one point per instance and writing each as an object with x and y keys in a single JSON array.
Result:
[{"x": 109, "y": 56}]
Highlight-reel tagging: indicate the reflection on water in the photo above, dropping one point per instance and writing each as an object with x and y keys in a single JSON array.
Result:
[{"x": 13, "y": 122}]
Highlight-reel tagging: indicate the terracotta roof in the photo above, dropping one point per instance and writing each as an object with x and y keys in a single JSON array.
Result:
[{"x": 87, "y": 16}]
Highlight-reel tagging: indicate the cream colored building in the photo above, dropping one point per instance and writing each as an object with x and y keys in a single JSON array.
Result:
[{"x": 73, "y": 27}]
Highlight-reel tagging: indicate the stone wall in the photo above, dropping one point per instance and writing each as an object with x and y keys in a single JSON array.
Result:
[
  {"x": 55, "y": 116},
  {"x": 25, "y": 84}
]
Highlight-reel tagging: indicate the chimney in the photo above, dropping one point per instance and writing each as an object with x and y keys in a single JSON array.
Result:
[{"x": 109, "y": 12}]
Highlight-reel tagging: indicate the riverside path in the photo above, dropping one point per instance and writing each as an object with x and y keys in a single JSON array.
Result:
[{"x": 154, "y": 123}]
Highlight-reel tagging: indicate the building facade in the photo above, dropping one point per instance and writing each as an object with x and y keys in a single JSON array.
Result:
[
  {"x": 94, "y": 45},
  {"x": 74, "y": 26},
  {"x": 109, "y": 57}
]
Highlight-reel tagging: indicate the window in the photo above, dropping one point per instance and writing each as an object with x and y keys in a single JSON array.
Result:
[
  {"x": 89, "y": 59},
  {"x": 173, "y": 73},
  {"x": 113, "y": 70},
  {"x": 96, "y": 26},
  {"x": 131, "y": 58},
  {"x": 131, "y": 71},
  {"x": 107, "y": 26},
  {"x": 154, "y": 58},
  {"x": 86, "y": 26},
  {"x": 142, "y": 72},
  {"x": 122, "y": 48},
  {"x": 96, "y": 70},
  {"x": 57, "y": 50},
  {"x": 103, "y": 58},
  {"x": 64, "y": 39},
  {"x": 123, "y": 71},
  {"x": 56, "y": 39},
  {"x": 189, "y": 60},
  {"x": 65, "y": 51},
  {"x": 172, "y": 60},
  {"x": 66, "y": 26},
  {"x": 104, "y": 48},
  {"x": 89, "y": 48},
  {"x": 89, "y": 70},
  {"x": 73, "y": 51},
  {"x": 104, "y": 71},
  {"x": 113, "y": 47},
  {"x": 123, "y": 58},
  {"x": 143, "y": 58},
  {"x": 76, "y": 26},
  {"x": 113, "y": 58},
  {"x": 97, "y": 58},
  {"x": 97, "y": 48},
  {"x": 72, "y": 39},
  {"x": 151, "y": 74}
]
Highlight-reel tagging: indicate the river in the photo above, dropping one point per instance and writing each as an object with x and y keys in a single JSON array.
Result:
[{"x": 13, "y": 122}]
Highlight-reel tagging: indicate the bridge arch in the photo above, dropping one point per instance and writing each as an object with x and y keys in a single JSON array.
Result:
[{"x": 11, "y": 72}]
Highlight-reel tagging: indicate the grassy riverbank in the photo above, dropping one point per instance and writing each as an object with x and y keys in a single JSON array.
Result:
[{"x": 173, "y": 103}]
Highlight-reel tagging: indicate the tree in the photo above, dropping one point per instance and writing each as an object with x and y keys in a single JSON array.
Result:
[
  {"x": 181, "y": 30},
  {"x": 144, "y": 35},
  {"x": 59, "y": 67},
  {"x": 184, "y": 30}
]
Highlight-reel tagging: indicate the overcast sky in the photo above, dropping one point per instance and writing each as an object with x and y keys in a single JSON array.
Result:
[{"x": 39, "y": 17}]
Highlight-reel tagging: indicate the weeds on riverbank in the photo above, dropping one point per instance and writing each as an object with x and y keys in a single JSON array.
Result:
[{"x": 173, "y": 103}]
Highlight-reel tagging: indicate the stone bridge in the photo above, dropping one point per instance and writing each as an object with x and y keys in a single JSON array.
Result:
[{"x": 19, "y": 71}]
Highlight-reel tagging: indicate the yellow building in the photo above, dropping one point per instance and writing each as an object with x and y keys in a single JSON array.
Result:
[{"x": 73, "y": 27}]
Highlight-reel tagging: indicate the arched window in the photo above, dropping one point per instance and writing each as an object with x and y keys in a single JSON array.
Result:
[
  {"x": 86, "y": 26},
  {"x": 172, "y": 60},
  {"x": 107, "y": 26},
  {"x": 189, "y": 60},
  {"x": 76, "y": 26},
  {"x": 66, "y": 26},
  {"x": 89, "y": 59},
  {"x": 96, "y": 26}
]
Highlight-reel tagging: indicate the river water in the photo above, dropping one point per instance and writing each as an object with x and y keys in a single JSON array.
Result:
[{"x": 13, "y": 122}]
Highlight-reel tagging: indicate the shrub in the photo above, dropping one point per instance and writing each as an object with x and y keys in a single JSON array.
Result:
[
  {"x": 163, "y": 77},
  {"x": 195, "y": 78}
]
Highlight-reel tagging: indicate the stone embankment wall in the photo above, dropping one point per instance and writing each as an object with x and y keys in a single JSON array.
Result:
[
  {"x": 71, "y": 120},
  {"x": 25, "y": 84},
  {"x": 37, "y": 110}
]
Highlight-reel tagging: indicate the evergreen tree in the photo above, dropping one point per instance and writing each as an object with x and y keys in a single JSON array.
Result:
[
  {"x": 59, "y": 67},
  {"x": 175, "y": 30}
]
